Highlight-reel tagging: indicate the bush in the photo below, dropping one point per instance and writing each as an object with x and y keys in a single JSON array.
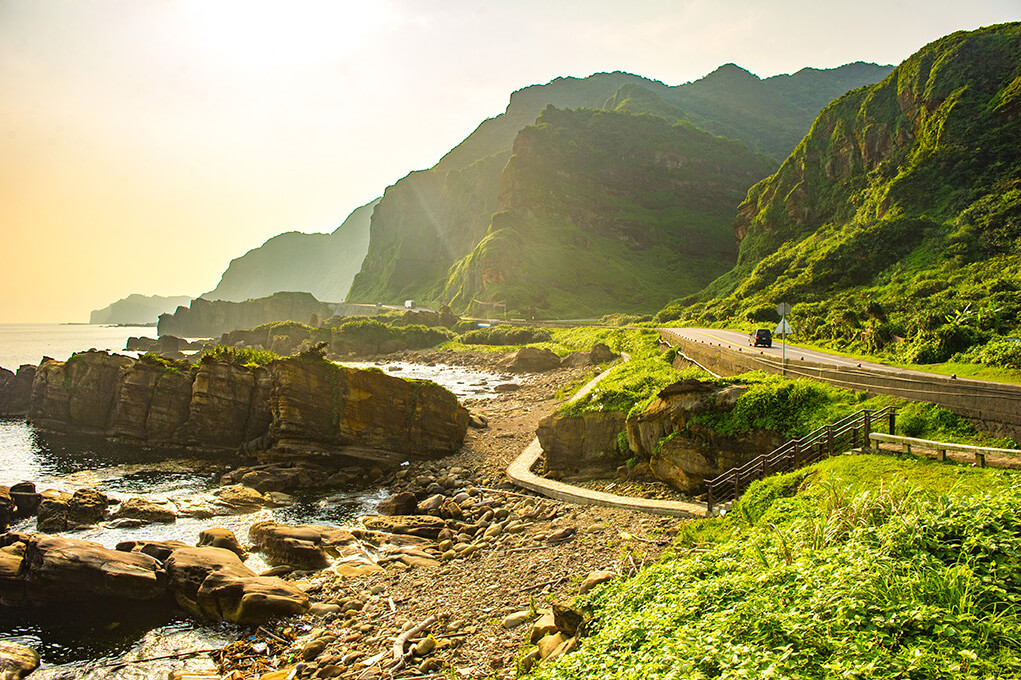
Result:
[
  {"x": 998, "y": 352},
  {"x": 505, "y": 335},
  {"x": 238, "y": 356}
]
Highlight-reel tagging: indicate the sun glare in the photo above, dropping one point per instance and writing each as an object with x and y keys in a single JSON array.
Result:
[{"x": 261, "y": 34}]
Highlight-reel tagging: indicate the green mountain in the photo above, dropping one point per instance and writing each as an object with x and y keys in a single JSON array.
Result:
[
  {"x": 430, "y": 220},
  {"x": 898, "y": 215},
  {"x": 607, "y": 210},
  {"x": 321, "y": 264}
]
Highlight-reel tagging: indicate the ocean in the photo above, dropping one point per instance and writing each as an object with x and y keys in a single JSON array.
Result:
[{"x": 28, "y": 343}]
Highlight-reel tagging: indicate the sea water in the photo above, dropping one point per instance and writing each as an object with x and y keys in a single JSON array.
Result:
[{"x": 82, "y": 644}]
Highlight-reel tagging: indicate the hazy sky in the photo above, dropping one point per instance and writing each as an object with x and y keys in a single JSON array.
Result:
[{"x": 146, "y": 143}]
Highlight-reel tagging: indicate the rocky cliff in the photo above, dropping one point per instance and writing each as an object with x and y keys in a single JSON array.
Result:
[
  {"x": 300, "y": 406},
  {"x": 608, "y": 210},
  {"x": 897, "y": 211},
  {"x": 431, "y": 219},
  {"x": 321, "y": 264},
  {"x": 211, "y": 318}
]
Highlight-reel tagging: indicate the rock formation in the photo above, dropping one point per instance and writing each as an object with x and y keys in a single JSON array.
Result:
[
  {"x": 582, "y": 444},
  {"x": 300, "y": 407},
  {"x": 211, "y": 318},
  {"x": 16, "y": 390},
  {"x": 683, "y": 453}
]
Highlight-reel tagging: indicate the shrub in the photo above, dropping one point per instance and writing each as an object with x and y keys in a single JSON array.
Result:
[{"x": 505, "y": 335}]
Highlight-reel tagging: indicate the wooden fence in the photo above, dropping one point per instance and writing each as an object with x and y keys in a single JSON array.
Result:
[{"x": 845, "y": 434}]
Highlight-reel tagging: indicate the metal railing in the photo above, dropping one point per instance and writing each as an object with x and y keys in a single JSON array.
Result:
[{"x": 847, "y": 433}]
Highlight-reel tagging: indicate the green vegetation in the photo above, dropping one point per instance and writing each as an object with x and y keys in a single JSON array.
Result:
[
  {"x": 628, "y": 387},
  {"x": 505, "y": 335},
  {"x": 368, "y": 336},
  {"x": 894, "y": 228},
  {"x": 857, "y": 567},
  {"x": 239, "y": 356},
  {"x": 169, "y": 365}
]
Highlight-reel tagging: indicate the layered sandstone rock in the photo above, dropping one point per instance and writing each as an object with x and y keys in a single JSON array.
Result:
[
  {"x": 214, "y": 583},
  {"x": 530, "y": 360},
  {"x": 299, "y": 406},
  {"x": 39, "y": 569},
  {"x": 305, "y": 546},
  {"x": 16, "y": 390},
  {"x": 684, "y": 453},
  {"x": 581, "y": 444}
]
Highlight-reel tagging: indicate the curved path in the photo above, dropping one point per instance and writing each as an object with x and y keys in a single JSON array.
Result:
[{"x": 520, "y": 472}]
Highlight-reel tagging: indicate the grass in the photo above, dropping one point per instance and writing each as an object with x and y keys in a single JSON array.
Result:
[{"x": 857, "y": 567}]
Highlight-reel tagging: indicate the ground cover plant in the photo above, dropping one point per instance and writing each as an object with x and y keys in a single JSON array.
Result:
[{"x": 856, "y": 567}]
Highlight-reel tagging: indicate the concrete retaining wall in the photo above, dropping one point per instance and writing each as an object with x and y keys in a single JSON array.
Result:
[{"x": 993, "y": 407}]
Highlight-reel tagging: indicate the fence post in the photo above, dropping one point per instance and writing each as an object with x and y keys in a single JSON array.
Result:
[
  {"x": 866, "y": 429},
  {"x": 893, "y": 422},
  {"x": 709, "y": 502},
  {"x": 797, "y": 454},
  {"x": 829, "y": 439}
]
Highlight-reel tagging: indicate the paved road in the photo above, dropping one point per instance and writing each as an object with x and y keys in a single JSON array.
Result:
[{"x": 736, "y": 340}]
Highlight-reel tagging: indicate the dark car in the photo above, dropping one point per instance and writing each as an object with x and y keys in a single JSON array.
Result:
[{"x": 761, "y": 336}]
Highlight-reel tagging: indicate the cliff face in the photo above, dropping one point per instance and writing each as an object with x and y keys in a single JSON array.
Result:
[
  {"x": 321, "y": 264},
  {"x": 605, "y": 210},
  {"x": 297, "y": 406},
  {"x": 898, "y": 188},
  {"x": 205, "y": 318}
]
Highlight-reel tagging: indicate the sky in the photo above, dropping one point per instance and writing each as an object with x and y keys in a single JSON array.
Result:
[{"x": 146, "y": 143}]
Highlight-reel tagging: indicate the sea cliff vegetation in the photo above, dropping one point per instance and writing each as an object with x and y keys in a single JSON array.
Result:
[{"x": 894, "y": 227}]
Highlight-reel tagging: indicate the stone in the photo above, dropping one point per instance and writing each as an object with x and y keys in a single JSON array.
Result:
[
  {"x": 146, "y": 511},
  {"x": 305, "y": 546},
  {"x": 566, "y": 647},
  {"x": 567, "y": 619},
  {"x": 219, "y": 537},
  {"x": 6, "y": 508},
  {"x": 17, "y": 661},
  {"x": 431, "y": 503},
  {"x": 599, "y": 354},
  {"x": 586, "y": 443},
  {"x": 543, "y": 626},
  {"x": 528, "y": 661},
  {"x": 529, "y": 360},
  {"x": 477, "y": 421},
  {"x": 213, "y": 583},
  {"x": 26, "y": 499},
  {"x": 515, "y": 619},
  {"x": 240, "y": 499},
  {"x": 60, "y": 511},
  {"x": 425, "y": 646},
  {"x": 38, "y": 569},
  {"x": 403, "y": 503},
  {"x": 424, "y": 526},
  {"x": 548, "y": 644},
  {"x": 593, "y": 579}
]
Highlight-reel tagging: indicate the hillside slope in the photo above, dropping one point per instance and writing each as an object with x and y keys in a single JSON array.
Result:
[
  {"x": 607, "y": 210},
  {"x": 321, "y": 264},
  {"x": 898, "y": 216},
  {"x": 431, "y": 219},
  {"x": 137, "y": 309}
]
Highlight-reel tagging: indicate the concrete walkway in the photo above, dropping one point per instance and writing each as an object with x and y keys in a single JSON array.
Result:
[{"x": 520, "y": 472}]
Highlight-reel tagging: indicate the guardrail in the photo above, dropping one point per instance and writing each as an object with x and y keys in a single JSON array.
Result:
[
  {"x": 847, "y": 433},
  {"x": 941, "y": 448}
]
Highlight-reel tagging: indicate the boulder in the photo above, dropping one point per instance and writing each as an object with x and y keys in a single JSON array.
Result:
[
  {"x": 56, "y": 569},
  {"x": 61, "y": 511},
  {"x": 26, "y": 499},
  {"x": 567, "y": 619},
  {"x": 593, "y": 579},
  {"x": 304, "y": 546},
  {"x": 599, "y": 354},
  {"x": 213, "y": 583},
  {"x": 146, "y": 511},
  {"x": 6, "y": 508},
  {"x": 529, "y": 360},
  {"x": 404, "y": 503},
  {"x": 16, "y": 390},
  {"x": 424, "y": 526},
  {"x": 582, "y": 444},
  {"x": 219, "y": 537},
  {"x": 303, "y": 407},
  {"x": 17, "y": 661}
]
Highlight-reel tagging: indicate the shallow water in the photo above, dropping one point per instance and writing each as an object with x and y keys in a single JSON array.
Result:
[{"x": 76, "y": 642}]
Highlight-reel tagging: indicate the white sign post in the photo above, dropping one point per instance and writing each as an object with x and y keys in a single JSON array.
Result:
[{"x": 782, "y": 329}]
